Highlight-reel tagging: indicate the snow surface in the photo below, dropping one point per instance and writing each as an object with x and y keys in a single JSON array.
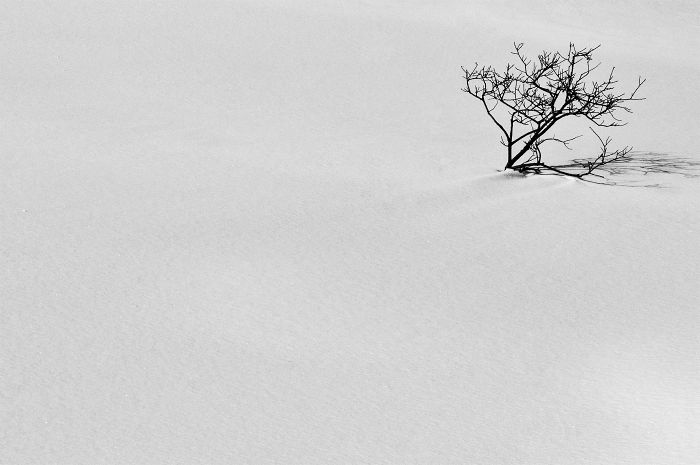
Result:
[{"x": 274, "y": 232}]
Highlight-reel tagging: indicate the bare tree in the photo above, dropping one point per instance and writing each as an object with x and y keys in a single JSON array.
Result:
[{"x": 531, "y": 96}]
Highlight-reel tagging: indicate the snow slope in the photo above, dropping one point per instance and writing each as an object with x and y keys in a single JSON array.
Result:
[{"x": 274, "y": 232}]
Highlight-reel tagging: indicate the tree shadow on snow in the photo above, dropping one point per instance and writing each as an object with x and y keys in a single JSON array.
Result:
[{"x": 634, "y": 169}]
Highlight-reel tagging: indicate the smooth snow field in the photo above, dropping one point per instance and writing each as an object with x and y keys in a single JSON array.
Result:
[{"x": 275, "y": 232}]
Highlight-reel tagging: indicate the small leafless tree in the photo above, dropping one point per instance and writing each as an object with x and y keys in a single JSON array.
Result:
[{"x": 531, "y": 96}]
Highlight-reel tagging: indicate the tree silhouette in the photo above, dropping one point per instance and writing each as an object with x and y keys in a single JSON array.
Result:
[{"x": 531, "y": 96}]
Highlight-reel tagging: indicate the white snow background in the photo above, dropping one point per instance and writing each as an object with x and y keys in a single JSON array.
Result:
[{"x": 275, "y": 232}]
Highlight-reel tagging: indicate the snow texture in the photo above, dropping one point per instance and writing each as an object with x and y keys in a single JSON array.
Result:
[{"x": 260, "y": 232}]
